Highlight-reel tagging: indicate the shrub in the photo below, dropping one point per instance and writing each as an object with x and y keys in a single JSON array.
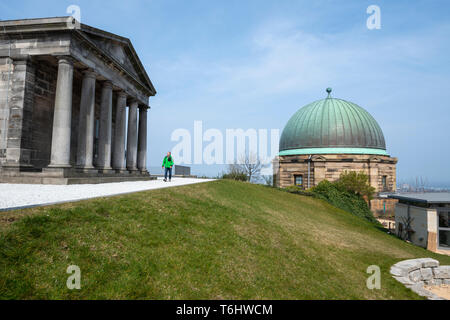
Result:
[
  {"x": 235, "y": 175},
  {"x": 339, "y": 196},
  {"x": 356, "y": 182},
  {"x": 236, "y": 172},
  {"x": 298, "y": 190}
]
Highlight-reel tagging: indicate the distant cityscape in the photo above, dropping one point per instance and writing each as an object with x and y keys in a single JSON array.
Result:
[{"x": 421, "y": 184}]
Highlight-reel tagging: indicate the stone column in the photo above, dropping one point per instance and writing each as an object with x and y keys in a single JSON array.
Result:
[
  {"x": 85, "y": 151},
  {"x": 119, "y": 133},
  {"x": 62, "y": 117},
  {"x": 104, "y": 144},
  {"x": 142, "y": 140},
  {"x": 132, "y": 137},
  {"x": 18, "y": 125}
]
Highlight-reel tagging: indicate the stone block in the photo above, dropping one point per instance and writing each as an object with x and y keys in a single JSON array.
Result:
[
  {"x": 421, "y": 291},
  {"x": 442, "y": 272},
  {"x": 404, "y": 280},
  {"x": 427, "y": 273},
  {"x": 434, "y": 282},
  {"x": 415, "y": 276},
  {"x": 418, "y": 288},
  {"x": 429, "y": 263},
  {"x": 410, "y": 265},
  {"x": 437, "y": 282},
  {"x": 399, "y": 272}
]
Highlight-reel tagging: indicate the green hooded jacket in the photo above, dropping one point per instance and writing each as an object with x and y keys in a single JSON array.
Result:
[{"x": 167, "y": 163}]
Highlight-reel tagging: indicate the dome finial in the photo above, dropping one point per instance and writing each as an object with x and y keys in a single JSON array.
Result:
[{"x": 329, "y": 90}]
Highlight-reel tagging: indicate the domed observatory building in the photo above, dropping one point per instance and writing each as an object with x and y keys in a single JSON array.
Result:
[{"x": 330, "y": 136}]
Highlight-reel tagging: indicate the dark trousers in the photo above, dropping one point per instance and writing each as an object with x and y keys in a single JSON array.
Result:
[{"x": 168, "y": 170}]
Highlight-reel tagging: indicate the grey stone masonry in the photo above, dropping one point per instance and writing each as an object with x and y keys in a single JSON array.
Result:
[
  {"x": 119, "y": 133},
  {"x": 63, "y": 100},
  {"x": 60, "y": 154},
  {"x": 104, "y": 145},
  {"x": 19, "y": 124},
  {"x": 6, "y": 71},
  {"x": 132, "y": 137},
  {"x": 442, "y": 272},
  {"x": 86, "y": 125},
  {"x": 142, "y": 140},
  {"x": 416, "y": 273}
]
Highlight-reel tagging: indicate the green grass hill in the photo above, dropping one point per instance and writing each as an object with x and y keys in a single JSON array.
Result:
[{"x": 216, "y": 240}]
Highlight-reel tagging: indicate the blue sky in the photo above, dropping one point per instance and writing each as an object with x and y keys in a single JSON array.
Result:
[{"x": 253, "y": 64}]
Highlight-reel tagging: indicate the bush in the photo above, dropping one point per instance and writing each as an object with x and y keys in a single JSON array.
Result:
[
  {"x": 339, "y": 196},
  {"x": 298, "y": 190},
  {"x": 239, "y": 176},
  {"x": 236, "y": 172},
  {"x": 356, "y": 182}
]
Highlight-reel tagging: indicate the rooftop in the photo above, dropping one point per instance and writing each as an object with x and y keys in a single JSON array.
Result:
[
  {"x": 107, "y": 43},
  {"x": 330, "y": 126},
  {"x": 426, "y": 197}
]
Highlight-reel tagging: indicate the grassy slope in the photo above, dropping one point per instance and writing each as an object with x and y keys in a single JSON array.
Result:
[{"x": 218, "y": 240}]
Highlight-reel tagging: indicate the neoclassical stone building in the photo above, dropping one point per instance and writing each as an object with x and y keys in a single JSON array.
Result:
[
  {"x": 65, "y": 89},
  {"x": 328, "y": 137}
]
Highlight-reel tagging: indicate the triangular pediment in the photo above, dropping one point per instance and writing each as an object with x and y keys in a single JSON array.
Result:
[
  {"x": 115, "y": 50},
  {"x": 318, "y": 158},
  {"x": 121, "y": 50},
  {"x": 375, "y": 159}
]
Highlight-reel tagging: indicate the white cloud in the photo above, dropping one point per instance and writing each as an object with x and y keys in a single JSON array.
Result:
[
  {"x": 394, "y": 76},
  {"x": 283, "y": 59}
]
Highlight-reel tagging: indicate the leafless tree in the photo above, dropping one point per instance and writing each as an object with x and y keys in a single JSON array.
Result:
[
  {"x": 235, "y": 169},
  {"x": 268, "y": 180},
  {"x": 250, "y": 165},
  {"x": 404, "y": 229}
]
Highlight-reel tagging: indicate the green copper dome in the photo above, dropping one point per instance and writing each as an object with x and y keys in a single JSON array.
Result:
[{"x": 332, "y": 126}]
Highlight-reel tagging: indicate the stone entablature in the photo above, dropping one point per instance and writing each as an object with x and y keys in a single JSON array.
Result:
[
  {"x": 416, "y": 273},
  {"x": 63, "y": 97}
]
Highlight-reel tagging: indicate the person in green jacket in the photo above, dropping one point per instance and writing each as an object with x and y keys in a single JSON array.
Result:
[{"x": 167, "y": 166}]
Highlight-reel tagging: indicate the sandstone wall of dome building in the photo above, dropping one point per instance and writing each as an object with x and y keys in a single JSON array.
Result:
[{"x": 330, "y": 136}]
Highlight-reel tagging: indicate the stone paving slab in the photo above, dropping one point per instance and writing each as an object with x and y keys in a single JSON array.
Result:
[{"x": 19, "y": 196}]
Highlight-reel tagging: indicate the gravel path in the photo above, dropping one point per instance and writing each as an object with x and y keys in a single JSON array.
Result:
[{"x": 17, "y": 196}]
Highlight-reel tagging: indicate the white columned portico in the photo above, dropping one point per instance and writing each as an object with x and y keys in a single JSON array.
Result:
[
  {"x": 142, "y": 140},
  {"x": 62, "y": 117},
  {"x": 104, "y": 144},
  {"x": 85, "y": 149},
  {"x": 119, "y": 133},
  {"x": 132, "y": 136}
]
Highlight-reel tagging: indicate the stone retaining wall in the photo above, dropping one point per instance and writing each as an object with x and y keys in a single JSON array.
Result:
[{"x": 416, "y": 273}]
